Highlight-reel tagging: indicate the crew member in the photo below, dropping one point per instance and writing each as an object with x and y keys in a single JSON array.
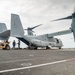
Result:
[
  {"x": 14, "y": 43},
  {"x": 18, "y": 43}
]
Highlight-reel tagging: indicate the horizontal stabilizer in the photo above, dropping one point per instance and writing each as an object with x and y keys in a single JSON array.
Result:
[
  {"x": 60, "y": 33},
  {"x": 5, "y": 35},
  {"x": 2, "y": 27}
]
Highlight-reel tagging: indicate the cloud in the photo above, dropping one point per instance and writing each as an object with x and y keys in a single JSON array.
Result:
[{"x": 33, "y": 12}]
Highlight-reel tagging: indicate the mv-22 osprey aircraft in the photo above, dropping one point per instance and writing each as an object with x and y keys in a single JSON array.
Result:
[{"x": 45, "y": 40}]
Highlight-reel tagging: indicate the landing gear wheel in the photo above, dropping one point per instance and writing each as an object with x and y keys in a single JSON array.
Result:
[
  {"x": 47, "y": 47},
  {"x": 35, "y": 48},
  {"x": 59, "y": 47}
]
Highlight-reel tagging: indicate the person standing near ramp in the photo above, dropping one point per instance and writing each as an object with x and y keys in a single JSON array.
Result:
[
  {"x": 19, "y": 44},
  {"x": 14, "y": 43}
]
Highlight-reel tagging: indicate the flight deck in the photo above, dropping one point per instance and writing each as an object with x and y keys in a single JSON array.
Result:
[{"x": 37, "y": 62}]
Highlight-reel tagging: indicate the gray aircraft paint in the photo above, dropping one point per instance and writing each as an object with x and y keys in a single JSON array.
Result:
[
  {"x": 18, "y": 32},
  {"x": 4, "y": 33}
]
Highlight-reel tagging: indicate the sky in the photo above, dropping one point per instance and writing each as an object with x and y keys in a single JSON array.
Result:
[{"x": 34, "y": 12}]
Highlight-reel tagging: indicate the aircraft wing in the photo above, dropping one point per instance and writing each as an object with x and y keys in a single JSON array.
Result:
[
  {"x": 5, "y": 35},
  {"x": 60, "y": 33}
]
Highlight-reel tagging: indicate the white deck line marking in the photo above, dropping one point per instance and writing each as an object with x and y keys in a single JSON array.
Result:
[
  {"x": 19, "y": 60},
  {"x": 34, "y": 66},
  {"x": 31, "y": 55},
  {"x": 11, "y": 61}
]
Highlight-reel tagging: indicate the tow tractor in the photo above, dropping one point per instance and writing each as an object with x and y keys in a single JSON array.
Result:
[{"x": 4, "y": 45}]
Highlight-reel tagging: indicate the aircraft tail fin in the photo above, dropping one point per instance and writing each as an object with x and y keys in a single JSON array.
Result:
[{"x": 16, "y": 26}]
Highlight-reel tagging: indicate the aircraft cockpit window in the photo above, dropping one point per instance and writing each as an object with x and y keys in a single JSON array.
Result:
[{"x": 57, "y": 40}]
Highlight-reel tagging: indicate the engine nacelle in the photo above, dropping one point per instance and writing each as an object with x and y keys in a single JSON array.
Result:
[{"x": 73, "y": 24}]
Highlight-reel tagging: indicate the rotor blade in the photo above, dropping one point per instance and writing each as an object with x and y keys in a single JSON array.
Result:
[
  {"x": 33, "y": 27},
  {"x": 36, "y": 26},
  {"x": 68, "y": 17}
]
